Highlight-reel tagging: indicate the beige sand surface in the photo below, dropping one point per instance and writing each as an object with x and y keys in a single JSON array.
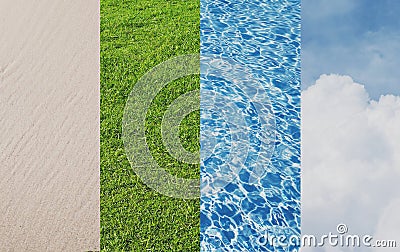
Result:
[{"x": 49, "y": 125}]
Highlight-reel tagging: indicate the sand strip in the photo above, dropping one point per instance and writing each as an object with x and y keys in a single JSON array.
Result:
[{"x": 49, "y": 121}]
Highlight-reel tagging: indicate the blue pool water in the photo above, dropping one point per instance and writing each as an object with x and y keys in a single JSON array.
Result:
[{"x": 250, "y": 124}]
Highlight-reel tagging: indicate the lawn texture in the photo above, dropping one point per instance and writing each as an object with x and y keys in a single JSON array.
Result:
[{"x": 136, "y": 36}]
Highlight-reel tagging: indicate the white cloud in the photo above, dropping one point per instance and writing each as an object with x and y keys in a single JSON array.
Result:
[
  {"x": 350, "y": 157},
  {"x": 388, "y": 225}
]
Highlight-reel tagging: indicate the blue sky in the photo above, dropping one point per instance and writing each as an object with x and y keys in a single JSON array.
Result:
[
  {"x": 359, "y": 38},
  {"x": 350, "y": 165}
]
